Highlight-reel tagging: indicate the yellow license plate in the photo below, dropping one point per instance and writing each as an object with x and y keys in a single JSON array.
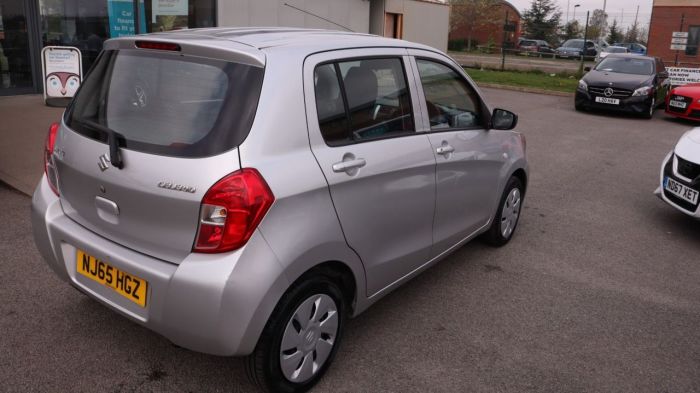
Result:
[{"x": 125, "y": 284}]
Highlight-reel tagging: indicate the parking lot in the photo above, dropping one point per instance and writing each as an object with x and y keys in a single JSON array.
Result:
[{"x": 598, "y": 291}]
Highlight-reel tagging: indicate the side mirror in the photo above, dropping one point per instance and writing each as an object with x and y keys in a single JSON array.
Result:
[
  {"x": 586, "y": 68},
  {"x": 663, "y": 74},
  {"x": 502, "y": 119}
]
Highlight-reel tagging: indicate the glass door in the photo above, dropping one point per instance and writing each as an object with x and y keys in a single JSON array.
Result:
[{"x": 15, "y": 49}]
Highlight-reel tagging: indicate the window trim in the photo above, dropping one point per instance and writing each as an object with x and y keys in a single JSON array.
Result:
[
  {"x": 486, "y": 123},
  {"x": 335, "y": 62},
  {"x": 697, "y": 43}
]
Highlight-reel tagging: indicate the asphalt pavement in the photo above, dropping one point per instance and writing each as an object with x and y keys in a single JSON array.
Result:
[{"x": 598, "y": 291}]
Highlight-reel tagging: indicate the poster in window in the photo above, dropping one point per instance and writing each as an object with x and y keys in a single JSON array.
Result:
[
  {"x": 121, "y": 18},
  {"x": 62, "y": 73},
  {"x": 169, "y": 15}
]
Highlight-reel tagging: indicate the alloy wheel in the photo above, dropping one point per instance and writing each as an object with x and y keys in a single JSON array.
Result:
[
  {"x": 309, "y": 338},
  {"x": 510, "y": 213}
]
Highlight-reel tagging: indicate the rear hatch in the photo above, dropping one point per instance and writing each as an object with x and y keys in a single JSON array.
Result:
[{"x": 174, "y": 114}]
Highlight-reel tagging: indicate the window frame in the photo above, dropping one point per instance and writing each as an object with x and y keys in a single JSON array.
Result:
[
  {"x": 336, "y": 66},
  {"x": 696, "y": 45},
  {"x": 483, "y": 108}
]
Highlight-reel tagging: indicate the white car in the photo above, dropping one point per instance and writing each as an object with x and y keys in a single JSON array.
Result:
[
  {"x": 610, "y": 49},
  {"x": 680, "y": 175}
]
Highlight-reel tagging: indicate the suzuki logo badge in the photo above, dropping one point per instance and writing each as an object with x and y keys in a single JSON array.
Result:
[
  {"x": 104, "y": 162},
  {"x": 608, "y": 92}
]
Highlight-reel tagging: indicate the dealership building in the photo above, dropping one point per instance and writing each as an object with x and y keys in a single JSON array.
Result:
[
  {"x": 681, "y": 16},
  {"x": 27, "y": 26}
]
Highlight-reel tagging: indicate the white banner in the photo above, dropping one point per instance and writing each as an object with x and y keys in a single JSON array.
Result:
[
  {"x": 681, "y": 75},
  {"x": 62, "y": 71}
]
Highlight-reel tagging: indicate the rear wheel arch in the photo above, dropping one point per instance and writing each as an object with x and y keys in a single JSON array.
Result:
[{"x": 338, "y": 272}]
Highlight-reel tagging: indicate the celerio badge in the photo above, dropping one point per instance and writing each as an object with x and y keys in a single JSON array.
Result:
[{"x": 176, "y": 187}]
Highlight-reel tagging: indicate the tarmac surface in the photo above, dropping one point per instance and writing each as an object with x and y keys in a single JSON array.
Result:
[{"x": 598, "y": 291}]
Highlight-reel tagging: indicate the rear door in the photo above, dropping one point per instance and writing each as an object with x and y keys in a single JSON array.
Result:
[
  {"x": 176, "y": 120},
  {"x": 469, "y": 156},
  {"x": 381, "y": 173}
]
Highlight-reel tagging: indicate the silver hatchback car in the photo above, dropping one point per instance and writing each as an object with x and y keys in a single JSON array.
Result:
[{"x": 245, "y": 191}]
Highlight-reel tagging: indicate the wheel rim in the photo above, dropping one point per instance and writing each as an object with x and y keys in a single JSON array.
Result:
[
  {"x": 510, "y": 213},
  {"x": 651, "y": 107},
  {"x": 309, "y": 338}
]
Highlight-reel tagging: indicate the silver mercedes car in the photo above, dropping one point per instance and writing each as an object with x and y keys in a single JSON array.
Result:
[{"x": 245, "y": 191}]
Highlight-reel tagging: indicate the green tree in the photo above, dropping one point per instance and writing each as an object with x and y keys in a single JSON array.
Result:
[
  {"x": 542, "y": 19},
  {"x": 615, "y": 34},
  {"x": 571, "y": 30},
  {"x": 473, "y": 15},
  {"x": 598, "y": 24},
  {"x": 632, "y": 34}
]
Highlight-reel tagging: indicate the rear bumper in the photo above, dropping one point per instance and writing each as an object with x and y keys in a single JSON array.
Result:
[
  {"x": 216, "y": 304},
  {"x": 635, "y": 104}
]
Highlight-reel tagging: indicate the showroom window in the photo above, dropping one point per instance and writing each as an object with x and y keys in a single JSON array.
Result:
[{"x": 86, "y": 24}]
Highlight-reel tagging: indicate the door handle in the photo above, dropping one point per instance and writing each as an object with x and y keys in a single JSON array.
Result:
[
  {"x": 345, "y": 166},
  {"x": 446, "y": 149}
]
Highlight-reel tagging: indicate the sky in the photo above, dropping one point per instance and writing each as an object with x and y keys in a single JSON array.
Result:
[{"x": 622, "y": 10}]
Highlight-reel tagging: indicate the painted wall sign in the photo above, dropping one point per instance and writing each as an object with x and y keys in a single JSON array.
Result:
[
  {"x": 682, "y": 75},
  {"x": 62, "y": 72},
  {"x": 121, "y": 18}
]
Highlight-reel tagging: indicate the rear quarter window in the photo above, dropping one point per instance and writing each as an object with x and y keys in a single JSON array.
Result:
[{"x": 167, "y": 103}]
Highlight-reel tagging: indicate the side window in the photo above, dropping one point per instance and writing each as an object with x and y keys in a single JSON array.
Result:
[
  {"x": 451, "y": 102},
  {"x": 332, "y": 118},
  {"x": 372, "y": 102}
]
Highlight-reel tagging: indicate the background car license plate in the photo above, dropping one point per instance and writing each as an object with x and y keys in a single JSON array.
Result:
[
  {"x": 125, "y": 284},
  {"x": 606, "y": 100},
  {"x": 677, "y": 104},
  {"x": 680, "y": 190}
]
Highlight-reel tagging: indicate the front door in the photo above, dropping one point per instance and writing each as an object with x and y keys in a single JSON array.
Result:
[
  {"x": 15, "y": 53},
  {"x": 469, "y": 156},
  {"x": 381, "y": 173}
]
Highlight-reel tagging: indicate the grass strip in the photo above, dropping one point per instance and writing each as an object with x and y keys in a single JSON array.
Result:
[{"x": 538, "y": 80}]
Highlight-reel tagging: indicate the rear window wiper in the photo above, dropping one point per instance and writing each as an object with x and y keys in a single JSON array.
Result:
[{"x": 113, "y": 137}]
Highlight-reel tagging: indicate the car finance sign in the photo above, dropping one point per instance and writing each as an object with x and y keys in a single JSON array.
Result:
[
  {"x": 682, "y": 75},
  {"x": 62, "y": 72}
]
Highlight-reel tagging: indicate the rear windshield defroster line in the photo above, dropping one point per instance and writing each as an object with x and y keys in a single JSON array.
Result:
[{"x": 167, "y": 104}]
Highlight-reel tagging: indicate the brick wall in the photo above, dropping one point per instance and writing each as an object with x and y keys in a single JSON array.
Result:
[
  {"x": 495, "y": 31},
  {"x": 664, "y": 21}
]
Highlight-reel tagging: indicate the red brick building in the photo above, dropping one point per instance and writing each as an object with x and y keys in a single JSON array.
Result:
[
  {"x": 665, "y": 19},
  {"x": 494, "y": 31}
]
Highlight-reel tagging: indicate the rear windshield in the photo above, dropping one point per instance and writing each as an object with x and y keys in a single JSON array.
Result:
[
  {"x": 167, "y": 103},
  {"x": 626, "y": 65}
]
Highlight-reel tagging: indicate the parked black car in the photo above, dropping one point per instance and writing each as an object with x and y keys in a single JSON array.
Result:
[
  {"x": 624, "y": 82},
  {"x": 574, "y": 48}
]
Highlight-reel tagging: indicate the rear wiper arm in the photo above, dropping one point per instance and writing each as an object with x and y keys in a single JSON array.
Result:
[{"x": 115, "y": 156}]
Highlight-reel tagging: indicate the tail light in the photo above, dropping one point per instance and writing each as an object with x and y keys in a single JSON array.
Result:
[
  {"x": 231, "y": 211},
  {"x": 49, "y": 166}
]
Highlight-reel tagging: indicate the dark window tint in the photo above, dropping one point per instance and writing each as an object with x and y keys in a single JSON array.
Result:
[
  {"x": 627, "y": 65},
  {"x": 693, "y": 41},
  {"x": 372, "y": 102},
  {"x": 451, "y": 102},
  {"x": 332, "y": 117},
  {"x": 168, "y": 104}
]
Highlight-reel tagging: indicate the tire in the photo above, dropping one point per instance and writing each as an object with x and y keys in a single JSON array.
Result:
[
  {"x": 650, "y": 112},
  {"x": 513, "y": 195},
  {"x": 265, "y": 367},
  {"x": 579, "y": 108}
]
